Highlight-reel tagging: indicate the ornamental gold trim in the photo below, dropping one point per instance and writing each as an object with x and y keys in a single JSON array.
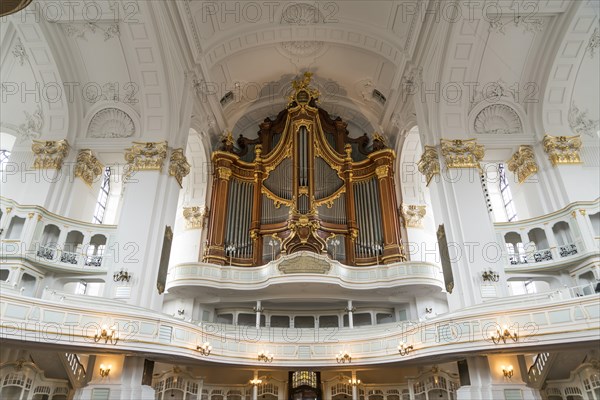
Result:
[
  {"x": 224, "y": 173},
  {"x": 49, "y": 154},
  {"x": 178, "y": 166},
  {"x": 429, "y": 164},
  {"x": 562, "y": 149},
  {"x": 146, "y": 156},
  {"x": 87, "y": 166},
  {"x": 413, "y": 214},
  {"x": 522, "y": 163},
  {"x": 459, "y": 153},
  {"x": 194, "y": 217},
  {"x": 277, "y": 201},
  {"x": 382, "y": 171}
]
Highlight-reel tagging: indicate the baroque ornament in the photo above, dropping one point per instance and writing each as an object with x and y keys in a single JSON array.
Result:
[
  {"x": 429, "y": 165},
  {"x": 562, "y": 149},
  {"x": 80, "y": 30},
  {"x": 194, "y": 217},
  {"x": 146, "y": 156},
  {"x": 460, "y": 153},
  {"x": 49, "y": 154},
  {"x": 178, "y": 165},
  {"x": 594, "y": 43},
  {"x": 111, "y": 123},
  {"x": 412, "y": 215},
  {"x": 30, "y": 129},
  {"x": 87, "y": 166},
  {"x": 20, "y": 53},
  {"x": 522, "y": 163},
  {"x": 498, "y": 119},
  {"x": 581, "y": 123}
]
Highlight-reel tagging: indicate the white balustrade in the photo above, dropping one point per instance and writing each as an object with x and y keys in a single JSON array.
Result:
[
  {"x": 573, "y": 239},
  {"x": 29, "y": 241}
]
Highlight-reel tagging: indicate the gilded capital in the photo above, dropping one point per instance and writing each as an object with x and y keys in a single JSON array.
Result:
[
  {"x": 413, "y": 214},
  {"x": 460, "y": 153},
  {"x": 146, "y": 156},
  {"x": 178, "y": 165},
  {"x": 49, "y": 154},
  {"x": 562, "y": 149},
  {"x": 224, "y": 173},
  {"x": 194, "y": 217},
  {"x": 429, "y": 165},
  {"x": 522, "y": 163},
  {"x": 87, "y": 166},
  {"x": 382, "y": 171}
]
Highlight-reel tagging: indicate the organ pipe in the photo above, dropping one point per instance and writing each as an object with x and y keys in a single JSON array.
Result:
[{"x": 305, "y": 184}]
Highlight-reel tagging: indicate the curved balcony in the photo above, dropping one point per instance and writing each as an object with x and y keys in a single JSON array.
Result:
[
  {"x": 567, "y": 237},
  {"x": 322, "y": 273},
  {"x": 52, "y": 242},
  {"x": 538, "y": 321}
]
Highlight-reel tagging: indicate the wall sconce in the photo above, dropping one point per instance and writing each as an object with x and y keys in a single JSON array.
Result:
[
  {"x": 181, "y": 311},
  {"x": 350, "y": 310},
  {"x": 403, "y": 349},
  {"x": 265, "y": 356},
  {"x": 122, "y": 276},
  {"x": 507, "y": 371},
  {"x": 204, "y": 349},
  {"x": 354, "y": 382},
  {"x": 104, "y": 371},
  {"x": 428, "y": 310},
  {"x": 107, "y": 334},
  {"x": 255, "y": 382},
  {"x": 504, "y": 334},
  {"x": 258, "y": 309},
  {"x": 490, "y": 276},
  {"x": 343, "y": 357}
]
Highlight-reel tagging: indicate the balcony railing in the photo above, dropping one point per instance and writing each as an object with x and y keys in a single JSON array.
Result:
[
  {"x": 565, "y": 235},
  {"x": 539, "y": 325},
  {"x": 25, "y": 234}
]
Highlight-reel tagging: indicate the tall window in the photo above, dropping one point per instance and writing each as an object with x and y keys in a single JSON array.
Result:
[
  {"x": 102, "y": 197},
  {"x": 507, "y": 199}
]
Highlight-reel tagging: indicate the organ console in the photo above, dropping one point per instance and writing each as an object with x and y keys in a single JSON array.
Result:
[{"x": 303, "y": 185}]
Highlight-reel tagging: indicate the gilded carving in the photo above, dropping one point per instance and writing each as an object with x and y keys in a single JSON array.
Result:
[
  {"x": 429, "y": 165},
  {"x": 522, "y": 163},
  {"x": 49, "y": 154},
  {"x": 194, "y": 217},
  {"x": 178, "y": 165},
  {"x": 412, "y": 215},
  {"x": 460, "y": 153},
  {"x": 146, "y": 156},
  {"x": 224, "y": 173},
  {"x": 303, "y": 93},
  {"x": 277, "y": 201},
  {"x": 382, "y": 171},
  {"x": 87, "y": 166},
  {"x": 304, "y": 264},
  {"x": 562, "y": 149}
]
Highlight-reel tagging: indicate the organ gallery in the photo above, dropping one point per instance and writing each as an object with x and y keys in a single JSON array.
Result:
[{"x": 303, "y": 184}]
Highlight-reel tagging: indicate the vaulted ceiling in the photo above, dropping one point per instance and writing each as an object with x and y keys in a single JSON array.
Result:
[{"x": 146, "y": 69}]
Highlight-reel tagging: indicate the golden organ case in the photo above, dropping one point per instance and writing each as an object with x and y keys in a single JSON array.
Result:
[{"x": 303, "y": 185}]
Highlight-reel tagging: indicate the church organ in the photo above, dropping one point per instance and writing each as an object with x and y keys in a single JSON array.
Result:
[{"x": 303, "y": 185}]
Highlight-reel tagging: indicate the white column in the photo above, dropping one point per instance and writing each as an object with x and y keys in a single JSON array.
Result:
[
  {"x": 460, "y": 204},
  {"x": 255, "y": 387},
  {"x": 258, "y": 311},
  {"x": 350, "y": 315},
  {"x": 149, "y": 205},
  {"x": 354, "y": 387}
]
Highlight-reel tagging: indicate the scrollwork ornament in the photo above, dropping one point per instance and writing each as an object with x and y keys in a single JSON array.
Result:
[
  {"x": 460, "y": 153},
  {"x": 562, "y": 149},
  {"x": 146, "y": 156},
  {"x": 523, "y": 164},
  {"x": 412, "y": 215},
  {"x": 49, "y": 154},
  {"x": 194, "y": 217},
  {"x": 87, "y": 166},
  {"x": 178, "y": 166},
  {"x": 429, "y": 164},
  {"x": 382, "y": 171},
  {"x": 224, "y": 173}
]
